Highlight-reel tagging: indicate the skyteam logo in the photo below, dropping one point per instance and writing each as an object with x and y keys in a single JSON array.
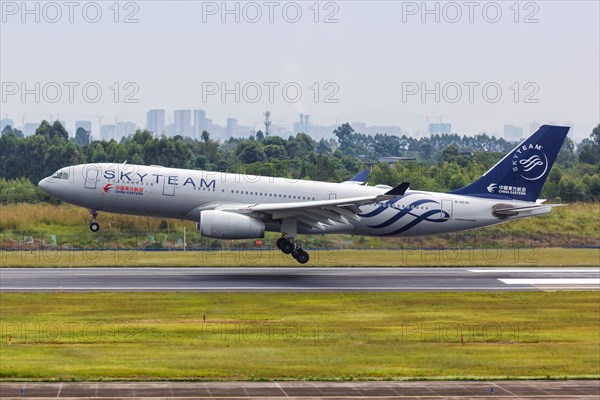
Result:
[{"x": 530, "y": 162}]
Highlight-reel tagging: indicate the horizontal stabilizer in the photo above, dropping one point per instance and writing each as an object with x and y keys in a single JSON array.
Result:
[{"x": 505, "y": 210}]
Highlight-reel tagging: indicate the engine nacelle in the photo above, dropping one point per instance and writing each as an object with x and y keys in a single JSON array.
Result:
[{"x": 228, "y": 225}]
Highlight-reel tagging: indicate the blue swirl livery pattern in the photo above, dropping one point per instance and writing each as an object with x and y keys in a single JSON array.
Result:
[{"x": 407, "y": 214}]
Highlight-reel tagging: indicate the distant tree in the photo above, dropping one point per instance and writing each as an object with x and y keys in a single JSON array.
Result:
[
  {"x": 52, "y": 131},
  {"x": 250, "y": 152},
  {"x": 275, "y": 151},
  {"x": 590, "y": 153},
  {"x": 426, "y": 150},
  {"x": 205, "y": 136},
  {"x": 8, "y": 130},
  {"x": 323, "y": 147},
  {"x": 260, "y": 136},
  {"x": 450, "y": 154},
  {"x": 82, "y": 137},
  {"x": 566, "y": 155}
]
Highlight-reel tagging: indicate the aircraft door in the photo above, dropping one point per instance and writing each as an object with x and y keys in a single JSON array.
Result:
[
  {"x": 91, "y": 178},
  {"x": 169, "y": 185},
  {"x": 446, "y": 212}
]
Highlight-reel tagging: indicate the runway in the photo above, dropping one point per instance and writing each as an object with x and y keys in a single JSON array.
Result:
[
  {"x": 304, "y": 390},
  {"x": 297, "y": 279}
]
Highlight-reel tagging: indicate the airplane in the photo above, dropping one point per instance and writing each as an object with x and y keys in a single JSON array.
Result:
[{"x": 238, "y": 206}]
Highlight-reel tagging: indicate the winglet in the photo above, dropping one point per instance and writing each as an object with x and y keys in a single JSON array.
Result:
[
  {"x": 398, "y": 190},
  {"x": 359, "y": 179}
]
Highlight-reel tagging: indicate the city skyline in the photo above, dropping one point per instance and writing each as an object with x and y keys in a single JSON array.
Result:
[
  {"x": 192, "y": 122},
  {"x": 376, "y": 62}
]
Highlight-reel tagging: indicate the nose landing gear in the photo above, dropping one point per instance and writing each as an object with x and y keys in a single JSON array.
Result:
[
  {"x": 288, "y": 246},
  {"x": 94, "y": 226}
]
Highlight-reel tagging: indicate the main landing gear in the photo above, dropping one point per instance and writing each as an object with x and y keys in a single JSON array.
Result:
[
  {"x": 288, "y": 246},
  {"x": 94, "y": 226}
]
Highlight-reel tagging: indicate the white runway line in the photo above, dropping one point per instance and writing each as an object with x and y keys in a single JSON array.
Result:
[
  {"x": 561, "y": 270},
  {"x": 552, "y": 281}
]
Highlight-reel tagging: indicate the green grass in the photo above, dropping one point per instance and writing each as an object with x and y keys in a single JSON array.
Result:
[
  {"x": 577, "y": 225},
  {"x": 267, "y": 336},
  {"x": 319, "y": 258}
]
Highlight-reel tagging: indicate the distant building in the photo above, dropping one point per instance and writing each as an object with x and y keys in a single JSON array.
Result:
[
  {"x": 231, "y": 129},
  {"x": 155, "y": 121},
  {"x": 123, "y": 129},
  {"x": 87, "y": 125},
  {"x": 303, "y": 124},
  {"x": 4, "y": 122},
  {"x": 107, "y": 132},
  {"x": 533, "y": 127},
  {"x": 440, "y": 129},
  {"x": 182, "y": 124},
  {"x": 199, "y": 123},
  {"x": 391, "y": 161},
  {"x": 29, "y": 128},
  {"x": 513, "y": 133}
]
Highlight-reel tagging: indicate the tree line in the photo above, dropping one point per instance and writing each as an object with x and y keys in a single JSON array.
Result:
[{"x": 439, "y": 163}]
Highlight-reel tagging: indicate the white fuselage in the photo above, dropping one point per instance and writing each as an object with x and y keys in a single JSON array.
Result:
[{"x": 181, "y": 193}]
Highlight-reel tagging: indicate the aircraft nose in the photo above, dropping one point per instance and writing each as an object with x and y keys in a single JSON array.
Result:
[{"x": 43, "y": 184}]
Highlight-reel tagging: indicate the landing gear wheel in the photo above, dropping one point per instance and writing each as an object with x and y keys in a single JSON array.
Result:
[
  {"x": 280, "y": 243},
  {"x": 287, "y": 247},
  {"x": 301, "y": 256},
  {"x": 94, "y": 227}
]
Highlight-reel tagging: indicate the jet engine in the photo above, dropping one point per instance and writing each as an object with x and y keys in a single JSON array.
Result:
[{"x": 228, "y": 225}]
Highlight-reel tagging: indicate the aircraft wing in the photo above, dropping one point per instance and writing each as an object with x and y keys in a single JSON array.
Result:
[{"x": 317, "y": 213}]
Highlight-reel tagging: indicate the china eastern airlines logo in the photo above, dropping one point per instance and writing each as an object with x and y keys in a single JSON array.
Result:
[
  {"x": 530, "y": 162},
  {"x": 107, "y": 188},
  {"x": 491, "y": 187}
]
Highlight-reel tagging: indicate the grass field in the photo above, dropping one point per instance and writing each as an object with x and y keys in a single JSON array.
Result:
[
  {"x": 31, "y": 225},
  {"x": 541, "y": 257},
  {"x": 266, "y": 336}
]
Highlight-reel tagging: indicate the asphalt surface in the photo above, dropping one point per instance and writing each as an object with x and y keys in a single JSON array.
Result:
[
  {"x": 298, "y": 279},
  {"x": 314, "y": 390}
]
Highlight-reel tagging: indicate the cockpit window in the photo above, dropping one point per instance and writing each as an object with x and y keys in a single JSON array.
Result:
[{"x": 60, "y": 175}]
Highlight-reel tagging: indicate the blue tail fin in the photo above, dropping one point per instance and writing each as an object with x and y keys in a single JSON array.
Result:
[{"x": 521, "y": 174}]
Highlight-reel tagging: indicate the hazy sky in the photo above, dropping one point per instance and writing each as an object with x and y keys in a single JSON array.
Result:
[{"x": 375, "y": 61}]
